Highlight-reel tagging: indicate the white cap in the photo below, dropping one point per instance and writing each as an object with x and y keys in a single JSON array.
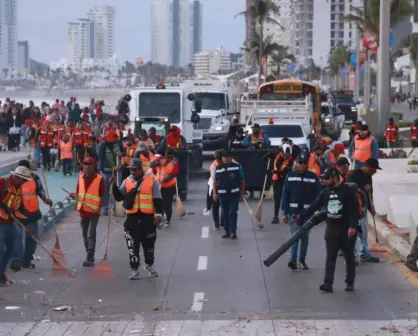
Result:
[
  {"x": 287, "y": 149},
  {"x": 22, "y": 172}
]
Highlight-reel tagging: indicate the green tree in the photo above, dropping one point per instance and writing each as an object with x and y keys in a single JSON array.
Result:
[
  {"x": 253, "y": 47},
  {"x": 281, "y": 56},
  {"x": 339, "y": 57},
  {"x": 260, "y": 12}
]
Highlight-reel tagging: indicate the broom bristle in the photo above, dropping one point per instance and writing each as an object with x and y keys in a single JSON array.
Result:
[
  {"x": 179, "y": 208},
  {"x": 258, "y": 212},
  {"x": 270, "y": 194},
  {"x": 103, "y": 270}
]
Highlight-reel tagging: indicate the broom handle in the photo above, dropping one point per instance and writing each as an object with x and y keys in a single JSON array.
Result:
[
  {"x": 374, "y": 219},
  {"x": 177, "y": 189},
  {"x": 264, "y": 185},
  {"x": 50, "y": 207},
  {"x": 109, "y": 220},
  {"x": 41, "y": 245}
]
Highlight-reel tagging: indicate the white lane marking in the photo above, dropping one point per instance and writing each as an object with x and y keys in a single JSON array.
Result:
[
  {"x": 205, "y": 232},
  {"x": 198, "y": 300},
  {"x": 202, "y": 264}
]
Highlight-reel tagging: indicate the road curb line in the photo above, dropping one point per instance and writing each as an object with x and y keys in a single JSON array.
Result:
[
  {"x": 399, "y": 246},
  {"x": 61, "y": 209}
]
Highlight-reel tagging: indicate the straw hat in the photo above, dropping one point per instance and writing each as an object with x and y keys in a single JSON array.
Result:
[{"x": 22, "y": 172}]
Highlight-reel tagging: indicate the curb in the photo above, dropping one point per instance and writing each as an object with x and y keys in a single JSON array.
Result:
[
  {"x": 60, "y": 209},
  {"x": 399, "y": 246}
]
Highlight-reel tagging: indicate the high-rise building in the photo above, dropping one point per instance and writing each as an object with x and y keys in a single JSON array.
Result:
[
  {"x": 103, "y": 18},
  {"x": 214, "y": 62},
  {"x": 176, "y": 31},
  {"x": 318, "y": 27},
  {"x": 8, "y": 34},
  {"x": 81, "y": 40},
  {"x": 23, "y": 55}
]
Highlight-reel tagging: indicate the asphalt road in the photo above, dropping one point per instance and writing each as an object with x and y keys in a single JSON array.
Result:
[
  {"x": 207, "y": 286},
  {"x": 408, "y": 115}
]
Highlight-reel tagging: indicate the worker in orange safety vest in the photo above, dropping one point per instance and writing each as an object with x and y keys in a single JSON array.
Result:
[
  {"x": 66, "y": 154},
  {"x": 167, "y": 173},
  {"x": 316, "y": 162},
  {"x": 391, "y": 134},
  {"x": 413, "y": 135},
  {"x": 363, "y": 147},
  {"x": 46, "y": 139}
]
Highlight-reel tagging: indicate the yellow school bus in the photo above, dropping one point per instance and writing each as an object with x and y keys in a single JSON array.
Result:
[{"x": 293, "y": 89}]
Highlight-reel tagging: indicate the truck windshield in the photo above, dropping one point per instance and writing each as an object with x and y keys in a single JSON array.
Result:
[
  {"x": 160, "y": 104},
  {"x": 344, "y": 100},
  {"x": 282, "y": 131},
  {"x": 211, "y": 100}
]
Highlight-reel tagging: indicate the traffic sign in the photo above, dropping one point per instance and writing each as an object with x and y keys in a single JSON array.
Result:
[
  {"x": 353, "y": 59},
  {"x": 391, "y": 40}
]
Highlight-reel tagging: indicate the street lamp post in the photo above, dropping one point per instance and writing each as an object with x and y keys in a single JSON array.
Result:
[{"x": 384, "y": 66}]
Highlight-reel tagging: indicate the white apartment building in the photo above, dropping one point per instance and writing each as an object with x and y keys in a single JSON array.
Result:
[
  {"x": 175, "y": 31},
  {"x": 212, "y": 62},
  {"x": 111, "y": 66},
  {"x": 8, "y": 34},
  {"x": 23, "y": 61},
  {"x": 162, "y": 31},
  {"x": 280, "y": 35},
  {"x": 80, "y": 40},
  {"x": 317, "y": 27},
  {"x": 103, "y": 18}
]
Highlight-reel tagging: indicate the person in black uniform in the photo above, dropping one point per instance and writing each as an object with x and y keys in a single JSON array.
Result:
[
  {"x": 341, "y": 230},
  {"x": 229, "y": 188}
]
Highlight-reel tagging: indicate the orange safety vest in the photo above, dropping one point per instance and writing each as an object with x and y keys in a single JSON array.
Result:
[
  {"x": 313, "y": 166},
  {"x": 163, "y": 171},
  {"x": 391, "y": 133},
  {"x": 46, "y": 137},
  {"x": 89, "y": 200},
  {"x": 285, "y": 163},
  {"x": 69, "y": 131},
  {"x": 130, "y": 152},
  {"x": 86, "y": 137},
  {"x": 143, "y": 200},
  {"x": 216, "y": 164},
  {"x": 29, "y": 196},
  {"x": 77, "y": 136},
  {"x": 362, "y": 149},
  {"x": 66, "y": 150},
  {"x": 12, "y": 198},
  {"x": 414, "y": 133},
  {"x": 330, "y": 156},
  {"x": 146, "y": 161},
  {"x": 59, "y": 132},
  {"x": 259, "y": 140}
]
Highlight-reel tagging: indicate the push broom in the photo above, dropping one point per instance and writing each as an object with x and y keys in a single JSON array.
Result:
[
  {"x": 377, "y": 247},
  {"x": 179, "y": 204},
  {"x": 256, "y": 221},
  {"x": 258, "y": 213}
]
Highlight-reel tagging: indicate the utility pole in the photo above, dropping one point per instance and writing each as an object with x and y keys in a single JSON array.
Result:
[
  {"x": 357, "y": 85},
  {"x": 384, "y": 65}
]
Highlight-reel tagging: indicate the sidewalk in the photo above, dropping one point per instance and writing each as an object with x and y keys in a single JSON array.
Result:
[{"x": 9, "y": 160}]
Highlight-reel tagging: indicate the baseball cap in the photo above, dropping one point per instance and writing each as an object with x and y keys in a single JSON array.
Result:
[
  {"x": 364, "y": 127},
  {"x": 331, "y": 172},
  {"x": 256, "y": 126},
  {"x": 135, "y": 163},
  {"x": 373, "y": 163},
  {"x": 302, "y": 158},
  {"x": 342, "y": 161},
  {"x": 226, "y": 153}
]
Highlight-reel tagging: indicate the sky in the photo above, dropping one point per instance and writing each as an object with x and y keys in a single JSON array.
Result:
[{"x": 44, "y": 24}]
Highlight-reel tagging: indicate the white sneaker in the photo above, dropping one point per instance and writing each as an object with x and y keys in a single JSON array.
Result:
[
  {"x": 167, "y": 224},
  {"x": 152, "y": 272},
  {"x": 134, "y": 275}
]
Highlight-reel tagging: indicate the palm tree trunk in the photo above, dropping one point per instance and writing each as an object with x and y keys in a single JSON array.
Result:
[{"x": 260, "y": 55}]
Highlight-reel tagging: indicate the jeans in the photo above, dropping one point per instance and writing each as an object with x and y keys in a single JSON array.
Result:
[
  {"x": 364, "y": 250},
  {"x": 106, "y": 179},
  {"x": 304, "y": 241},
  {"x": 19, "y": 245},
  {"x": 46, "y": 157},
  {"x": 89, "y": 228},
  {"x": 229, "y": 205},
  {"x": 30, "y": 243},
  {"x": 66, "y": 166},
  {"x": 7, "y": 238},
  {"x": 37, "y": 153}
]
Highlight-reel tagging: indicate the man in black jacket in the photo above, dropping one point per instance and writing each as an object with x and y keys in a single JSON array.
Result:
[
  {"x": 341, "y": 230},
  {"x": 142, "y": 200}
]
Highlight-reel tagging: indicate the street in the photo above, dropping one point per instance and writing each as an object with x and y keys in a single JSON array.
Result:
[
  {"x": 207, "y": 286},
  {"x": 408, "y": 115}
]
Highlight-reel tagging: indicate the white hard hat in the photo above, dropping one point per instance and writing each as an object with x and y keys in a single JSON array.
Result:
[{"x": 22, "y": 172}]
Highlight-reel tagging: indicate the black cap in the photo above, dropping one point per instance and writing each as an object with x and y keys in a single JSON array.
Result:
[
  {"x": 364, "y": 127},
  {"x": 342, "y": 161},
  {"x": 226, "y": 153},
  {"x": 373, "y": 163},
  {"x": 302, "y": 158},
  {"x": 256, "y": 126},
  {"x": 331, "y": 172},
  {"x": 285, "y": 139}
]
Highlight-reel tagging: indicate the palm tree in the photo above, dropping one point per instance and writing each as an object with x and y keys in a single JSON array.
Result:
[
  {"x": 413, "y": 53},
  {"x": 253, "y": 47},
  {"x": 280, "y": 57},
  {"x": 368, "y": 18},
  {"x": 259, "y": 13}
]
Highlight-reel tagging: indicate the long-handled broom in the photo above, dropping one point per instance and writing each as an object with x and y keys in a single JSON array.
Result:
[
  {"x": 256, "y": 221},
  {"x": 377, "y": 247},
  {"x": 57, "y": 250},
  {"x": 56, "y": 261},
  {"x": 103, "y": 269},
  {"x": 179, "y": 204},
  {"x": 258, "y": 213}
]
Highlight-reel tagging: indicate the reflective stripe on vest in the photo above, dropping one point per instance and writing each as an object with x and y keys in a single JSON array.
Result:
[
  {"x": 12, "y": 199},
  {"x": 29, "y": 196},
  {"x": 362, "y": 149},
  {"x": 130, "y": 152},
  {"x": 66, "y": 150},
  {"x": 89, "y": 200},
  {"x": 163, "y": 172},
  {"x": 391, "y": 133},
  {"x": 143, "y": 200},
  {"x": 285, "y": 163},
  {"x": 46, "y": 137}
]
